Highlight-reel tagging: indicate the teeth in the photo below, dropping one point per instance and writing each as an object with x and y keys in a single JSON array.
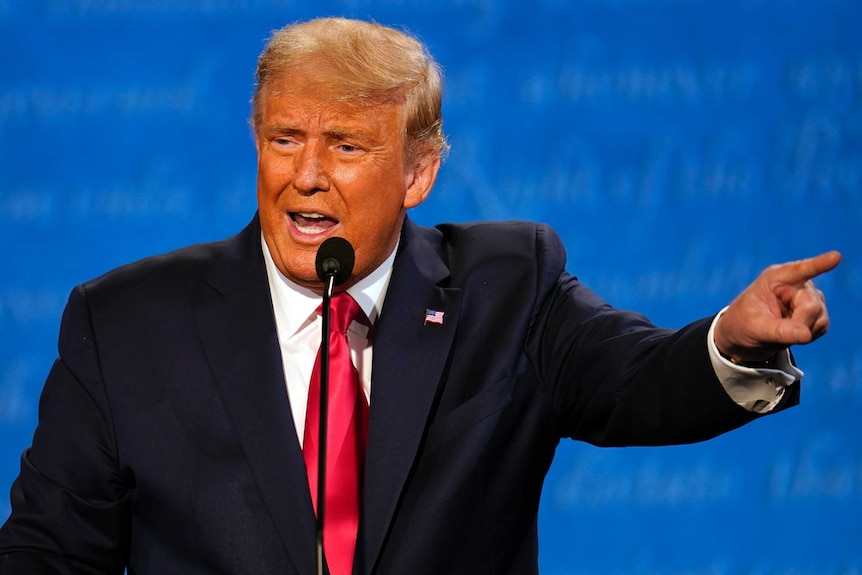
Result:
[
  {"x": 311, "y": 223},
  {"x": 308, "y": 229}
]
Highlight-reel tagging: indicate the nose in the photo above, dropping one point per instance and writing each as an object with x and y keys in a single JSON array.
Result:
[{"x": 310, "y": 174}]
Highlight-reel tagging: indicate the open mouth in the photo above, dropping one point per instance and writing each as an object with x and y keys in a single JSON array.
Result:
[{"x": 311, "y": 223}]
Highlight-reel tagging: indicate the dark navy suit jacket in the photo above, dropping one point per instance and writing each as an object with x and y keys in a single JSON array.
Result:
[{"x": 165, "y": 439}]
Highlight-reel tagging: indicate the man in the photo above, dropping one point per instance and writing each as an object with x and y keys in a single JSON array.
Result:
[{"x": 173, "y": 428}]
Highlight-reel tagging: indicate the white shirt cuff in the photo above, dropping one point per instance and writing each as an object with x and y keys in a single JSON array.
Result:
[{"x": 756, "y": 389}]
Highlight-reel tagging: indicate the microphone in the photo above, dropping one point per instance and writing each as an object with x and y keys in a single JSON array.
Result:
[
  {"x": 335, "y": 259},
  {"x": 334, "y": 264}
]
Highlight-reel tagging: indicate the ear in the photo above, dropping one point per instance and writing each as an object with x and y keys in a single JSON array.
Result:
[{"x": 421, "y": 179}]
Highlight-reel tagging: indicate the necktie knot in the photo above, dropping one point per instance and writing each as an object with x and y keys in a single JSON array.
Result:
[{"x": 344, "y": 311}]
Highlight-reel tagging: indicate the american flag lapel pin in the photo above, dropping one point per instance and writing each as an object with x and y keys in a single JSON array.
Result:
[{"x": 433, "y": 316}]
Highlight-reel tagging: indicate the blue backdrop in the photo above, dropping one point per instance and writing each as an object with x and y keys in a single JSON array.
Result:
[{"x": 678, "y": 146}]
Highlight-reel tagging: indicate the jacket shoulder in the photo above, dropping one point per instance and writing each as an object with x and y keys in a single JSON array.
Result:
[
  {"x": 499, "y": 233},
  {"x": 174, "y": 272},
  {"x": 181, "y": 267},
  {"x": 507, "y": 245}
]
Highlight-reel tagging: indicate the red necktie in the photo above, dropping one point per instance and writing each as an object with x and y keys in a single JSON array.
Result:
[{"x": 346, "y": 435}]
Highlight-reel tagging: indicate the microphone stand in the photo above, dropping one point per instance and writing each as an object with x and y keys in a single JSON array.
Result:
[
  {"x": 333, "y": 263},
  {"x": 326, "y": 312}
]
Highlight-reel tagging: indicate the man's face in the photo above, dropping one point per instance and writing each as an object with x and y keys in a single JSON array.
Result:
[{"x": 332, "y": 167}]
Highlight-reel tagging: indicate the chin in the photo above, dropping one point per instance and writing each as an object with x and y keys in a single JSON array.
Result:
[
  {"x": 302, "y": 272},
  {"x": 306, "y": 279}
]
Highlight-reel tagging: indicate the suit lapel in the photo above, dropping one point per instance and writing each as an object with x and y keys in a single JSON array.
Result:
[
  {"x": 238, "y": 332},
  {"x": 409, "y": 358}
]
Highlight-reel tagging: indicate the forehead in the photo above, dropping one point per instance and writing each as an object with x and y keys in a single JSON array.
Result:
[
  {"x": 302, "y": 97},
  {"x": 301, "y": 110}
]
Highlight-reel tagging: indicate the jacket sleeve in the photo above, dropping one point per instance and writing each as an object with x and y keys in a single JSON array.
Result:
[
  {"x": 71, "y": 500},
  {"x": 616, "y": 379}
]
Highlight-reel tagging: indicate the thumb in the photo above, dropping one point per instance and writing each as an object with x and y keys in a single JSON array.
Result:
[{"x": 785, "y": 332}]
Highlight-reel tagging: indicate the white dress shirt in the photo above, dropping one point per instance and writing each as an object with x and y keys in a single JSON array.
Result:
[
  {"x": 299, "y": 325},
  {"x": 299, "y": 328}
]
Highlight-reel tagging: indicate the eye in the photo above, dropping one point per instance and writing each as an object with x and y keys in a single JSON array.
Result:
[
  {"x": 282, "y": 144},
  {"x": 349, "y": 148}
]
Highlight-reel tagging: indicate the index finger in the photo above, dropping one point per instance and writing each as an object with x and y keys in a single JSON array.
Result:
[{"x": 801, "y": 271}]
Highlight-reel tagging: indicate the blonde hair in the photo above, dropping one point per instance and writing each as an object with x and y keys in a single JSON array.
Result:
[{"x": 369, "y": 62}]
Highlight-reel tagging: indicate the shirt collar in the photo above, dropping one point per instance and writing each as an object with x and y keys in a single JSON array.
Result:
[{"x": 297, "y": 305}]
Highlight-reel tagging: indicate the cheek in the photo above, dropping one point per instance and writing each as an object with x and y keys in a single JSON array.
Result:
[
  {"x": 273, "y": 173},
  {"x": 346, "y": 175}
]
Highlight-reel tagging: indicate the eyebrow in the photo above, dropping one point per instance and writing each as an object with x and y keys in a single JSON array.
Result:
[
  {"x": 335, "y": 132},
  {"x": 279, "y": 128}
]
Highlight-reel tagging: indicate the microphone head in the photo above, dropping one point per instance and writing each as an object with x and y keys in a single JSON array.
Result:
[{"x": 335, "y": 258}]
